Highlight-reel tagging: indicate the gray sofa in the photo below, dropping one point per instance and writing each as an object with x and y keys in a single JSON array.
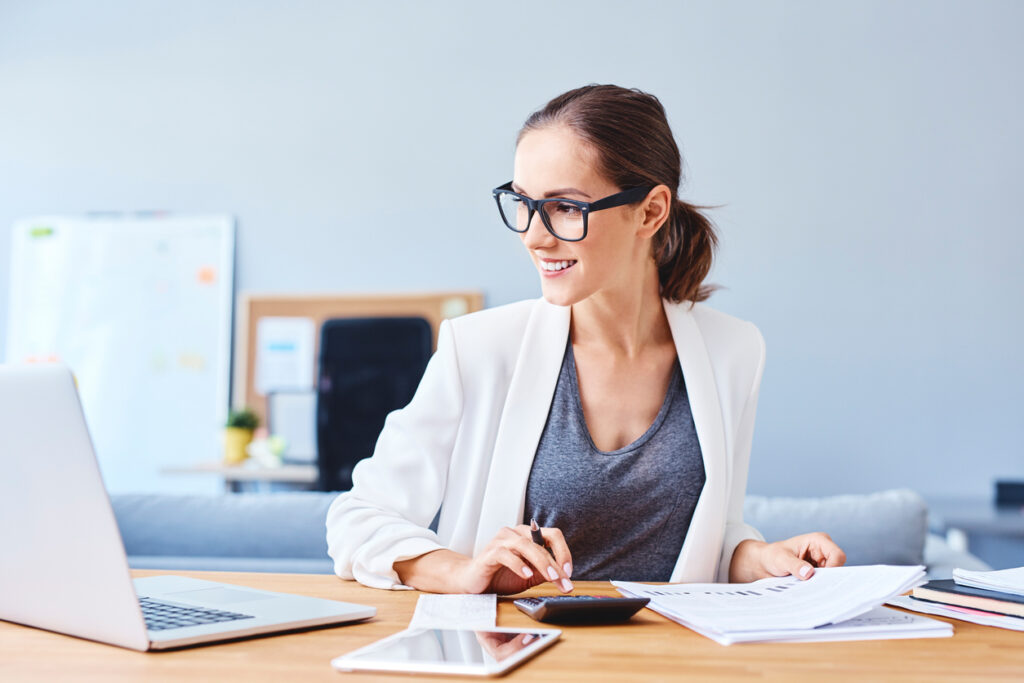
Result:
[{"x": 284, "y": 532}]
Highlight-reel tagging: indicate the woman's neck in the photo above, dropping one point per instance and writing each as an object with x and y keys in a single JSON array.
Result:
[{"x": 626, "y": 320}]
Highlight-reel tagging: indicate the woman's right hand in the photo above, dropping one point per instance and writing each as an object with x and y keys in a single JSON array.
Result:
[{"x": 512, "y": 563}]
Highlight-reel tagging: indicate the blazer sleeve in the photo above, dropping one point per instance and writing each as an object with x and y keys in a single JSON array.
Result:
[
  {"x": 736, "y": 530},
  {"x": 396, "y": 493}
]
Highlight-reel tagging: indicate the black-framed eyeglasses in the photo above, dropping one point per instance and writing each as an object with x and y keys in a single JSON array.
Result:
[{"x": 566, "y": 219}]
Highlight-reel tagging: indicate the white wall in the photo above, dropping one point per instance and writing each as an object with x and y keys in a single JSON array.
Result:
[{"x": 868, "y": 157}]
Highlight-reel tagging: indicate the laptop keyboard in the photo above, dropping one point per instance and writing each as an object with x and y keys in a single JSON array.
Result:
[{"x": 161, "y": 616}]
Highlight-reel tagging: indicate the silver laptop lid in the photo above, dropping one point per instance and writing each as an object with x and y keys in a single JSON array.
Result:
[{"x": 62, "y": 562}]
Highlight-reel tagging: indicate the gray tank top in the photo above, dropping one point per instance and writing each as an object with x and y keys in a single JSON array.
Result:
[{"x": 624, "y": 513}]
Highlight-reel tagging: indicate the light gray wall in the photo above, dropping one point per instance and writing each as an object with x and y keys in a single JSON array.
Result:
[{"x": 868, "y": 157}]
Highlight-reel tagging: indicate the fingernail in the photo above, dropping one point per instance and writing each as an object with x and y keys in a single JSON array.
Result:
[
  {"x": 804, "y": 571},
  {"x": 568, "y": 569},
  {"x": 552, "y": 574},
  {"x": 528, "y": 638},
  {"x": 527, "y": 572},
  {"x": 566, "y": 585}
]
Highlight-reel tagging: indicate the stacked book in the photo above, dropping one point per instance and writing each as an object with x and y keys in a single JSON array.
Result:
[{"x": 990, "y": 598}]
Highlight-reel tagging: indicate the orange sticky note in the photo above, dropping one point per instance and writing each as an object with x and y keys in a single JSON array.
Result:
[{"x": 207, "y": 275}]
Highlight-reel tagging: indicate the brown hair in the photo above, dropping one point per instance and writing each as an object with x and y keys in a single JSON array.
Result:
[{"x": 633, "y": 142}]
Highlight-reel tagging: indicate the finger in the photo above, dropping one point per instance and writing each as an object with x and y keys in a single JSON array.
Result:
[
  {"x": 520, "y": 541},
  {"x": 797, "y": 566},
  {"x": 503, "y": 557},
  {"x": 834, "y": 556},
  {"x": 817, "y": 557},
  {"x": 542, "y": 561},
  {"x": 831, "y": 554},
  {"x": 559, "y": 548}
]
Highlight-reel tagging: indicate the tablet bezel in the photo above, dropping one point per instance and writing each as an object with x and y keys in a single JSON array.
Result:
[{"x": 548, "y": 636}]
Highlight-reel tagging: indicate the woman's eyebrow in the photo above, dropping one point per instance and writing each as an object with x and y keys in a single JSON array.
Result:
[{"x": 561, "y": 192}]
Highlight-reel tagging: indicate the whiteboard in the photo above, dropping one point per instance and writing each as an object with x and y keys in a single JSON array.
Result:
[{"x": 139, "y": 307}]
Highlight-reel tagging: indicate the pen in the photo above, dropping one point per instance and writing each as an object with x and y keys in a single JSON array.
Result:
[
  {"x": 535, "y": 532},
  {"x": 538, "y": 537}
]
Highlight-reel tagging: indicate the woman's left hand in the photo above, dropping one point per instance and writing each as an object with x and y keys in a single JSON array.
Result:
[{"x": 753, "y": 560}]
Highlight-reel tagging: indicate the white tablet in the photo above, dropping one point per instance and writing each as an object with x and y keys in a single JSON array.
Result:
[{"x": 489, "y": 652}]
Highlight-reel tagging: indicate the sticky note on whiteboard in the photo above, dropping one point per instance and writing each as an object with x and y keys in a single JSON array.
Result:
[{"x": 207, "y": 275}]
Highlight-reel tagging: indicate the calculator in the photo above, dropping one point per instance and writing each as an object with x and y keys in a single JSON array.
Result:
[{"x": 580, "y": 609}]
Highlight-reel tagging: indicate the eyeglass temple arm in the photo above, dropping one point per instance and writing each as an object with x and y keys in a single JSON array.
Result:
[{"x": 625, "y": 197}]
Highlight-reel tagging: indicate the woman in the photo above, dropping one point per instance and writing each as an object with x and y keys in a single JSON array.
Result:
[{"x": 616, "y": 410}]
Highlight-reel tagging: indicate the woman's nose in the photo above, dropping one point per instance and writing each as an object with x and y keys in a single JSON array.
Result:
[{"x": 537, "y": 234}]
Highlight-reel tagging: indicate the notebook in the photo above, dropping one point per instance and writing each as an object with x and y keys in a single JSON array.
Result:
[{"x": 949, "y": 592}]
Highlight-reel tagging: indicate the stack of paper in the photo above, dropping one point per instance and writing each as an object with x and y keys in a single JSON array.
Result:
[
  {"x": 825, "y": 607},
  {"x": 989, "y": 598},
  {"x": 1004, "y": 580}
]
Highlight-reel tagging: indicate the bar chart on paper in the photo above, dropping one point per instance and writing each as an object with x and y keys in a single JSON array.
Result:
[{"x": 139, "y": 307}]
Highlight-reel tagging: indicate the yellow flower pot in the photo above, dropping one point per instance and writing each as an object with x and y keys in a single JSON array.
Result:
[{"x": 235, "y": 441}]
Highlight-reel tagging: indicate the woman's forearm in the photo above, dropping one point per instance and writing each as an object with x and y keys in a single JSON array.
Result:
[{"x": 438, "y": 571}]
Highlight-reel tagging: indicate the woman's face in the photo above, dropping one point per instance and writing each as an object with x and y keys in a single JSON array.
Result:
[{"x": 554, "y": 162}]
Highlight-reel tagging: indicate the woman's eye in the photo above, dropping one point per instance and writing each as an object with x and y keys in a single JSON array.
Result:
[{"x": 567, "y": 209}]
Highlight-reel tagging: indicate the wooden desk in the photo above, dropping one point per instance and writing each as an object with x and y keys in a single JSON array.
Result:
[{"x": 649, "y": 648}]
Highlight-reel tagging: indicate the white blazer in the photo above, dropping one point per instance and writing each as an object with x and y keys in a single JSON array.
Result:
[{"x": 465, "y": 443}]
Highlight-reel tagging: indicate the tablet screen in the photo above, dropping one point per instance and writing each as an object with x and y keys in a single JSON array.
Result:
[{"x": 440, "y": 650}]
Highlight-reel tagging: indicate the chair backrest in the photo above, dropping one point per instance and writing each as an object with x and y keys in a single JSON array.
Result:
[{"x": 368, "y": 368}]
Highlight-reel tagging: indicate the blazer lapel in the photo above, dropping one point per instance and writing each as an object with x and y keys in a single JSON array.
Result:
[
  {"x": 523, "y": 418},
  {"x": 698, "y": 559}
]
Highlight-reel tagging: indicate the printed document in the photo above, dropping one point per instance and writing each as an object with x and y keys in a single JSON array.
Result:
[
  {"x": 786, "y": 608},
  {"x": 455, "y": 611}
]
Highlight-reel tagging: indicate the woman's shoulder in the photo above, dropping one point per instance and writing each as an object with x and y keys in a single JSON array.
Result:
[
  {"x": 726, "y": 336},
  {"x": 496, "y": 323},
  {"x": 506, "y": 315},
  {"x": 499, "y": 332}
]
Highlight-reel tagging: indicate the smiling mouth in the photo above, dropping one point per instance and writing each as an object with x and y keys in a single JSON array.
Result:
[{"x": 552, "y": 266}]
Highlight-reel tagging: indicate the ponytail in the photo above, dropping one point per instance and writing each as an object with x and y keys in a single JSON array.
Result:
[{"x": 683, "y": 250}]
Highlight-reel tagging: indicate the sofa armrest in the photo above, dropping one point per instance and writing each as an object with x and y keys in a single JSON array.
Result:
[{"x": 942, "y": 559}]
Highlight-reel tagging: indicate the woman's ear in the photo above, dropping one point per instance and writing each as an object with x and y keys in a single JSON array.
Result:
[{"x": 654, "y": 211}]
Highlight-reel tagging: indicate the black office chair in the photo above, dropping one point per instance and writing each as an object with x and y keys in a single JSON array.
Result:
[{"x": 368, "y": 368}]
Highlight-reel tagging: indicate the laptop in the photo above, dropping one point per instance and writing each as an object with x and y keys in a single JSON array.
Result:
[{"x": 62, "y": 562}]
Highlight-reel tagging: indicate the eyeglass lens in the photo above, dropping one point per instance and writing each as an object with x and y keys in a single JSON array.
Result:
[{"x": 563, "y": 218}]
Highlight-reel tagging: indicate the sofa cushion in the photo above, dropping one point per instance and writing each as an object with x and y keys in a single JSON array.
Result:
[
  {"x": 277, "y": 565},
  {"x": 272, "y": 525},
  {"x": 888, "y": 527}
]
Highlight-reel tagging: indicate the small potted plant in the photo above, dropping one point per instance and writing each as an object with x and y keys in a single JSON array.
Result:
[{"x": 238, "y": 434}]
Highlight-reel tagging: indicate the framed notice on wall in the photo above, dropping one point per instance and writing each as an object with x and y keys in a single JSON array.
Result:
[{"x": 140, "y": 308}]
